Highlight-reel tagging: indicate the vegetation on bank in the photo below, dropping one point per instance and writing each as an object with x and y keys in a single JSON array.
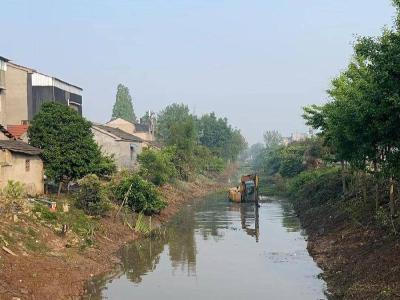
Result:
[
  {"x": 189, "y": 147},
  {"x": 353, "y": 162}
]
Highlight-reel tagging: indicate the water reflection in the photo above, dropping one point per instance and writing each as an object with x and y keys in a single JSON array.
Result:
[{"x": 204, "y": 235}]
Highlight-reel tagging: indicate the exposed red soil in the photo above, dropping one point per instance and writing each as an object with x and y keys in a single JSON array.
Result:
[
  {"x": 61, "y": 272},
  {"x": 359, "y": 262}
]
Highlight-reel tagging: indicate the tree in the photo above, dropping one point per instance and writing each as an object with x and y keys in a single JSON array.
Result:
[
  {"x": 69, "y": 151},
  {"x": 176, "y": 127},
  {"x": 123, "y": 107},
  {"x": 216, "y": 134},
  {"x": 272, "y": 138},
  {"x": 170, "y": 116},
  {"x": 156, "y": 166}
]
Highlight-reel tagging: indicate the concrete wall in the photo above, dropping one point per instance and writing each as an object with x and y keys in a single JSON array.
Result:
[
  {"x": 146, "y": 136},
  {"x": 3, "y": 107},
  {"x": 13, "y": 166},
  {"x": 124, "y": 157},
  {"x": 16, "y": 95}
]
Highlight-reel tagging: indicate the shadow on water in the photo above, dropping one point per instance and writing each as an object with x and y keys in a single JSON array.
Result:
[{"x": 216, "y": 243}]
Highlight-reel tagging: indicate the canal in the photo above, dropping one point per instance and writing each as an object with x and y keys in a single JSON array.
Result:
[{"x": 220, "y": 250}]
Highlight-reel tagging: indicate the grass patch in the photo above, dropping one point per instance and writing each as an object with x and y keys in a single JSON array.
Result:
[{"x": 77, "y": 221}]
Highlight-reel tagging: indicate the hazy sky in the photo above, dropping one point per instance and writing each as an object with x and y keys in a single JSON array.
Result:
[{"x": 255, "y": 62}]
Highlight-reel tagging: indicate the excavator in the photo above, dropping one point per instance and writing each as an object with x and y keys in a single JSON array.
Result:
[{"x": 246, "y": 191}]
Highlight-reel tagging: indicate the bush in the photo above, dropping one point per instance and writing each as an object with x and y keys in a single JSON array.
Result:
[
  {"x": 205, "y": 161},
  {"x": 104, "y": 166},
  {"x": 142, "y": 195},
  {"x": 92, "y": 196},
  {"x": 156, "y": 166},
  {"x": 316, "y": 187},
  {"x": 14, "y": 189}
]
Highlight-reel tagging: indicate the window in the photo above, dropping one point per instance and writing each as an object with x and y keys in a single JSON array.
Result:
[
  {"x": 132, "y": 151},
  {"x": 27, "y": 165}
]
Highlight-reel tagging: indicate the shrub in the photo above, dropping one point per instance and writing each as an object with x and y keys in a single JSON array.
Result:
[
  {"x": 316, "y": 187},
  {"x": 92, "y": 196},
  {"x": 156, "y": 166},
  {"x": 206, "y": 161},
  {"x": 14, "y": 189},
  {"x": 142, "y": 195}
]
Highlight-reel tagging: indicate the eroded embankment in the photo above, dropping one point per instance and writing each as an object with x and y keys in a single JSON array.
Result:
[
  {"x": 58, "y": 270},
  {"x": 359, "y": 262}
]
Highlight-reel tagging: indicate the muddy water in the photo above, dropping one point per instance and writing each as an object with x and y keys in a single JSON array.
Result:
[{"x": 218, "y": 250}]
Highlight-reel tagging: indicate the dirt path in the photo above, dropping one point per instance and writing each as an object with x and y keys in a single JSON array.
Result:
[{"x": 61, "y": 272}]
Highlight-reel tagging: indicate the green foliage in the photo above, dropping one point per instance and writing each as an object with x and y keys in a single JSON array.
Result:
[
  {"x": 169, "y": 119},
  {"x": 157, "y": 166},
  {"x": 80, "y": 223},
  {"x": 176, "y": 127},
  {"x": 123, "y": 107},
  {"x": 272, "y": 139},
  {"x": 14, "y": 190},
  {"x": 205, "y": 161},
  {"x": 315, "y": 187},
  {"x": 142, "y": 195},
  {"x": 104, "y": 166},
  {"x": 91, "y": 196},
  {"x": 201, "y": 145},
  {"x": 143, "y": 225},
  {"x": 292, "y": 160},
  {"x": 69, "y": 151},
  {"x": 216, "y": 134}
]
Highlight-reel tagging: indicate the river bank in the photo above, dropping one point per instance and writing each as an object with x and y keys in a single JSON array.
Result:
[
  {"x": 53, "y": 268},
  {"x": 359, "y": 261}
]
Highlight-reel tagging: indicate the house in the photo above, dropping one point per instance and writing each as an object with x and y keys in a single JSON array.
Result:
[
  {"x": 145, "y": 129},
  {"x": 23, "y": 90},
  {"x": 123, "y": 146},
  {"x": 20, "y": 162},
  {"x": 20, "y": 132}
]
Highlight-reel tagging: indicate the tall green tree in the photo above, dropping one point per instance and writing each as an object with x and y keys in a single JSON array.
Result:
[
  {"x": 223, "y": 140},
  {"x": 177, "y": 127},
  {"x": 272, "y": 139},
  {"x": 123, "y": 106},
  {"x": 169, "y": 118},
  {"x": 69, "y": 151}
]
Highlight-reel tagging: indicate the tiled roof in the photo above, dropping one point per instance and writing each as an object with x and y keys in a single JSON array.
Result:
[
  {"x": 17, "y": 130},
  {"x": 6, "y": 132},
  {"x": 19, "y": 147},
  {"x": 140, "y": 127},
  {"x": 119, "y": 133}
]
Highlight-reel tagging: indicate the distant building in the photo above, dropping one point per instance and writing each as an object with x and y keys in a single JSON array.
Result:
[
  {"x": 145, "y": 129},
  {"x": 123, "y": 146},
  {"x": 23, "y": 90},
  {"x": 20, "y": 162},
  {"x": 294, "y": 137}
]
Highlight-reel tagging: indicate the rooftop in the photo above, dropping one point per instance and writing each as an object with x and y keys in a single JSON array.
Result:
[
  {"x": 119, "y": 133},
  {"x": 6, "y": 132},
  {"x": 17, "y": 130},
  {"x": 19, "y": 147}
]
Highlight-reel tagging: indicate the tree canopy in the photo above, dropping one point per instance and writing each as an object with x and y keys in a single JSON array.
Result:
[
  {"x": 123, "y": 106},
  {"x": 69, "y": 151}
]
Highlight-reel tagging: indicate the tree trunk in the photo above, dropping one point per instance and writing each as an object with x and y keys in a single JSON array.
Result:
[
  {"x": 364, "y": 184},
  {"x": 59, "y": 188},
  {"x": 392, "y": 197},
  {"x": 344, "y": 190},
  {"x": 376, "y": 186}
]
